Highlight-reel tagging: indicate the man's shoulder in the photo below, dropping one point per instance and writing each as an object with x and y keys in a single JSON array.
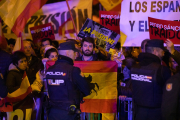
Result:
[
  {"x": 4, "y": 54},
  {"x": 174, "y": 78},
  {"x": 78, "y": 58}
]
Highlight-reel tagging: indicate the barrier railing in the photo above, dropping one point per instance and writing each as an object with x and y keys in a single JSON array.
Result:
[{"x": 127, "y": 109}]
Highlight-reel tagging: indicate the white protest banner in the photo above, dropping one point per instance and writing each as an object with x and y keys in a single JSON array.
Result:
[
  {"x": 134, "y": 17},
  {"x": 57, "y": 14}
]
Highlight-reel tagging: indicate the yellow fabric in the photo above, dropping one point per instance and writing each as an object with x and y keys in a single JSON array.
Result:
[
  {"x": 109, "y": 4},
  {"x": 11, "y": 9},
  {"x": 23, "y": 88},
  {"x": 107, "y": 83},
  {"x": 108, "y": 116},
  {"x": 17, "y": 45},
  {"x": 122, "y": 38}
]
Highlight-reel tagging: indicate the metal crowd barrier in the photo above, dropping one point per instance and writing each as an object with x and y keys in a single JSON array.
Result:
[{"x": 127, "y": 109}]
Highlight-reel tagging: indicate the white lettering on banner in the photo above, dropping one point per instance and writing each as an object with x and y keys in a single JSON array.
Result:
[
  {"x": 20, "y": 114},
  {"x": 136, "y": 28},
  {"x": 56, "y": 73},
  {"x": 43, "y": 29},
  {"x": 141, "y": 77},
  {"x": 56, "y": 82},
  {"x": 57, "y": 14},
  {"x": 110, "y": 16}
]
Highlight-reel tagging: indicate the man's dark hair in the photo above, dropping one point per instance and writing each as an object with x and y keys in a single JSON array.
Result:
[
  {"x": 143, "y": 42},
  {"x": 118, "y": 46},
  {"x": 17, "y": 56},
  {"x": 55, "y": 44},
  {"x": 48, "y": 52},
  {"x": 45, "y": 39},
  {"x": 11, "y": 41},
  {"x": 88, "y": 39}
]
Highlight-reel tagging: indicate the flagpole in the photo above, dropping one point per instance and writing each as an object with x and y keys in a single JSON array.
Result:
[{"x": 72, "y": 19}]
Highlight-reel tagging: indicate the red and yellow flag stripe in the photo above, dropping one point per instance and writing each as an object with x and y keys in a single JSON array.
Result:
[
  {"x": 104, "y": 73},
  {"x": 15, "y": 13}
]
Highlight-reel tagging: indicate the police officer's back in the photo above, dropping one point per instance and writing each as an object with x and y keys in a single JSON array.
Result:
[
  {"x": 148, "y": 78},
  {"x": 66, "y": 84}
]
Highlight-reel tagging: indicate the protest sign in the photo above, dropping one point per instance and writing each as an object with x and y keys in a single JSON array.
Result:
[
  {"x": 164, "y": 29},
  {"x": 25, "y": 110},
  {"x": 57, "y": 14},
  {"x": 135, "y": 13},
  {"x": 110, "y": 19},
  {"x": 105, "y": 38},
  {"x": 42, "y": 31}
]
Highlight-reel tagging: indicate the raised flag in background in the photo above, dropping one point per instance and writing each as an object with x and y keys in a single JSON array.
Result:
[
  {"x": 15, "y": 13},
  {"x": 111, "y": 5},
  {"x": 104, "y": 73},
  {"x": 19, "y": 44}
]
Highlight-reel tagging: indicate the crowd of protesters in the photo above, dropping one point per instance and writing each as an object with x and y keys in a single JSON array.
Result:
[{"x": 129, "y": 59}]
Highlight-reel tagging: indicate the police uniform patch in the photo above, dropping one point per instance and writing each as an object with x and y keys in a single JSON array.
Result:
[{"x": 169, "y": 86}]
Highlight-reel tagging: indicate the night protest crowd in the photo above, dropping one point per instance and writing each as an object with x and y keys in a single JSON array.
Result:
[{"x": 150, "y": 75}]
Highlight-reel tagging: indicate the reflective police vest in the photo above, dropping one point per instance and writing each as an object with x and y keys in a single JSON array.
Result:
[
  {"x": 146, "y": 92},
  {"x": 60, "y": 84}
]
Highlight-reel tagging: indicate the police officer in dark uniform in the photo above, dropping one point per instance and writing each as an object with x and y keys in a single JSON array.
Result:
[
  {"x": 171, "y": 93},
  {"x": 66, "y": 84},
  {"x": 171, "y": 98},
  {"x": 148, "y": 78}
]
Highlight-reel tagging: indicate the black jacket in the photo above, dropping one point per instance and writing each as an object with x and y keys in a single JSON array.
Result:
[
  {"x": 14, "y": 79},
  {"x": 164, "y": 72},
  {"x": 149, "y": 106},
  {"x": 5, "y": 61},
  {"x": 78, "y": 80},
  {"x": 171, "y": 98},
  {"x": 3, "y": 88}
]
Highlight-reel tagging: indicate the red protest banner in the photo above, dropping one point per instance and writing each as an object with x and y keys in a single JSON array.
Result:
[
  {"x": 42, "y": 31},
  {"x": 110, "y": 19},
  {"x": 164, "y": 29}
]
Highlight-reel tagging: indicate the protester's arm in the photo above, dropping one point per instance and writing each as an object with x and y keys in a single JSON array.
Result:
[
  {"x": 127, "y": 89},
  {"x": 80, "y": 81},
  {"x": 175, "y": 54},
  {"x": 170, "y": 99},
  {"x": 10, "y": 82}
]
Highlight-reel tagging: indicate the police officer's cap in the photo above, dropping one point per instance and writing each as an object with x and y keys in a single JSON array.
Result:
[
  {"x": 68, "y": 46},
  {"x": 155, "y": 43}
]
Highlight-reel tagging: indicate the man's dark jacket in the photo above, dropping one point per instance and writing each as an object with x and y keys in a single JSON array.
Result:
[{"x": 5, "y": 61}]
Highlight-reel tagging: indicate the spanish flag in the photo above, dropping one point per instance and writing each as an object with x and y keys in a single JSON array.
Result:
[
  {"x": 104, "y": 75},
  {"x": 15, "y": 13},
  {"x": 111, "y": 5},
  {"x": 103, "y": 98},
  {"x": 16, "y": 96},
  {"x": 22, "y": 92}
]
